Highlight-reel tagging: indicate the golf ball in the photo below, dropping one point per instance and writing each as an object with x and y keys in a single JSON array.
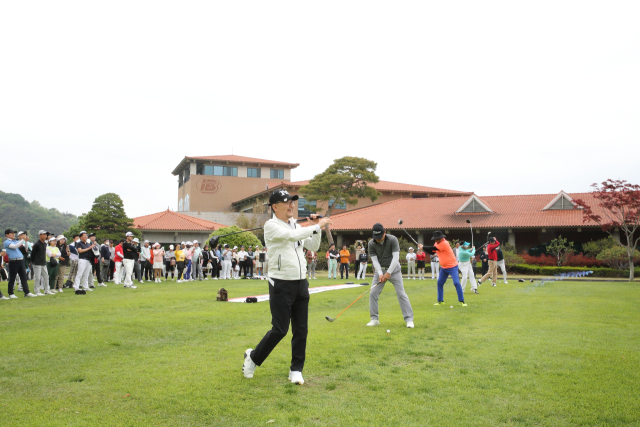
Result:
[
  {"x": 388, "y": 331},
  {"x": 451, "y": 306}
]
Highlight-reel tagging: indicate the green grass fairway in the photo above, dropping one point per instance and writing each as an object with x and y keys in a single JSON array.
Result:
[{"x": 563, "y": 354}]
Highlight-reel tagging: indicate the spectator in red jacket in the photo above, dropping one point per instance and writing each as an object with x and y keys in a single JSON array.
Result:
[
  {"x": 493, "y": 262},
  {"x": 117, "y": 276}
]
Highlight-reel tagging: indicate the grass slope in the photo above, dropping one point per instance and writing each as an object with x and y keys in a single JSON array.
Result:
[{"x": 564, "y": 354}]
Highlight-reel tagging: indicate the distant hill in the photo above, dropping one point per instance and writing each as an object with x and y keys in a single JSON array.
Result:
[{"x": 19, "y": 214}]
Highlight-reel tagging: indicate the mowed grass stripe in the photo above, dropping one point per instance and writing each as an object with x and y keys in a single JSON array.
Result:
[{"x": 521, "y": 354}]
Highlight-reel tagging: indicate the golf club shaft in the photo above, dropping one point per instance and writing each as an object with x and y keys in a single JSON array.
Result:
[
  {"x": 409, "y": 235},
  {"x": 356, "y": 300},
  {"x": 471, "y": 227}
]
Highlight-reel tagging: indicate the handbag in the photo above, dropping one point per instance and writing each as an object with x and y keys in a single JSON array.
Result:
[
  {"x": 53, "y": 262},
  {"x": 172, "y": 262}
]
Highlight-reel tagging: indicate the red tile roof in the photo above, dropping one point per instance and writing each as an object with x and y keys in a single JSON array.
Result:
[
  {"x": 236, "y": 159},
  {"x": 169, "y": 220},
  {"x": 439, "y": 213},
  {"x": 380, "y": 186}
]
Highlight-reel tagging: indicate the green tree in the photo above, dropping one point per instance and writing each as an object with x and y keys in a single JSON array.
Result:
[
  {"x": 106, "y": 218},
  {"x": 617, "y": 257},
  {"x": 594, "y": 249},
  {"x": 345, "y": 181},
  {"x": 246, "y": 223},
  {"x": 238, "y": 240},
  {"x": 18, "y": 213},
  {"x": 559, "y": 248}
]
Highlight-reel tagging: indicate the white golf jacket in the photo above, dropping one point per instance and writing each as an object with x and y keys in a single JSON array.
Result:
[{"x": 286, "y": 241}]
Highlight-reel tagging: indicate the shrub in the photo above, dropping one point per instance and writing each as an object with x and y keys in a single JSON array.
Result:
[
  {"x": 580, "y": 260},
  {"x": 617, "y": 257},
  {"x": 593, "y": 249},
  {"x": 560, "y": 248},
  {"x": 511, "y": 259},
  {"x": 536, "y": 270},
  {"x": 539, "y": 260}
]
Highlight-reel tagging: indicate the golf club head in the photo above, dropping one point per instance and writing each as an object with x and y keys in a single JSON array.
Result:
[
  {"x": 330, "y": 319},
  {"x": 488, "y": 233},
  {"x": 400, "y": 221},
  {"x": 213, "y": 242},
  {"x": 468, "y": 221}
]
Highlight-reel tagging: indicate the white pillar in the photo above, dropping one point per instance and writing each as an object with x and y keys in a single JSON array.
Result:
[
  {"x": 512, "y": 238},
  {"x": 338, "y": 241},
  {"x": 421, "y": 238}
]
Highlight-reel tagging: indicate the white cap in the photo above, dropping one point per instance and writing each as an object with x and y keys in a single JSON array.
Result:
[
  {"x": 135, "y": 239},
  {"x": 410, "y": 249},
  {"x": 146, "y": 241},
  {"x": 235, "y": 247},
  {"x": 79, "y": 234},
  {"x": 126, "y": 235},
  {"x": 52, "y": 239},
  {"x": 195, "y": 241},
  {"x": 20, "y": 232},
  {"x": 156, "y": 244},
  {"x": 189, "y": 244},
  {"x": 44, "y": 232},
  {"x": 61, "y": 237},
  {"x": 171, "y": 247},
  {"x": 182, "y": 243}
]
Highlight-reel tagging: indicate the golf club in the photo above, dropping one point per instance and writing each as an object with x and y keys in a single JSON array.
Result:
[
  {"x": 400, "y": 222},
  {"x": 471, "y": 227},
  {"x": 213, "y": 242},
  {"x": 332, "y": 319}
]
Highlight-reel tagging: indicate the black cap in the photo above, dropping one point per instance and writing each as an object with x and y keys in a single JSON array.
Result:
[
  {"x": 378, "y": 231},
  {"x": 92, "y": 234},
  {"x": 281, "y": 196},
  {"x": 9, "y": 230}
]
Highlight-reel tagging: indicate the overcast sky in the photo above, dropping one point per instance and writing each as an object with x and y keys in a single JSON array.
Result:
[{"x": 494, "y": 97}]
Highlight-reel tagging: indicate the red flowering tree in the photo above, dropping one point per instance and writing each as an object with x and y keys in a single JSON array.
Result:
[{"x": 619, "y": 204}]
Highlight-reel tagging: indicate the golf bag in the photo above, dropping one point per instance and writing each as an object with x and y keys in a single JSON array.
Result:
[{"x": 222, "y": 295}]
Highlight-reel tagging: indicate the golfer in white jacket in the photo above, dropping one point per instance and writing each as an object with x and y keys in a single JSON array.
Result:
[{"x": 288, "y": 285}]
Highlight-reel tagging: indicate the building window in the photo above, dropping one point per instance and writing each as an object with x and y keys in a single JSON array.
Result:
[
  {"x": 225, "y": 171},
  {"x": 474, "y": 207},
  {"x": 253, "y": 172},
  {"x": 247, "y": 211},
  {"x": 338, "y": 205},
  {"x": 303, "y": 207},
  {"x": 277, "y": 173},
  {"x": 562, "y": 204}
]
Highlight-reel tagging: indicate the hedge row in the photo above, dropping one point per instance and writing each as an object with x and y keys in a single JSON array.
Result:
[{"x": 552, "y": 271}]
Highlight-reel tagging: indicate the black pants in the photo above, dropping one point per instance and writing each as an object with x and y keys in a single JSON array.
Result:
[
  {"x": 215, "y": 271},
  {"x": 16, "y": 268},
  {"x": 112, "y": 269},
  {"x": 344, "y": 267},
  {"x": 248, "y": 268},
  {"x": 3, "y": 274},
  {"x": 180, "y": 265},
  {"x": 289, "y": 302},
  {"x": 485, "y": 268},
  {"x": 95, "y": 268},
  {"x": 147, "y": 268}
]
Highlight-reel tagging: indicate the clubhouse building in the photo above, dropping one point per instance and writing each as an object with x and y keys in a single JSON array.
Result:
[{"x": 215, "y": 190}]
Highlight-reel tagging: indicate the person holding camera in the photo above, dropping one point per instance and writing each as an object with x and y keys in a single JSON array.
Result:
[{"x": 288, "y": 285}]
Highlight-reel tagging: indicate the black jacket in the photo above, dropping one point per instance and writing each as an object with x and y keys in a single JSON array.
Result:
[
  {"x": 39, "y": 253},
  {"x": 129, "y": 251},
  {"x": 63, "y": 254},
  {"x": 105, "y": 252},
  {"x": 363, "y": 257}
]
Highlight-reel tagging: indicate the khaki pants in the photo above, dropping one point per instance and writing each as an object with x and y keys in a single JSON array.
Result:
[
  {"x": 493, "y": 271},
  {"x": 61, "y": 273}
]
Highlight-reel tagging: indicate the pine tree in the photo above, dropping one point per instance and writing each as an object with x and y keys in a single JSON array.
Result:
[{"x": 107, "y": 219}]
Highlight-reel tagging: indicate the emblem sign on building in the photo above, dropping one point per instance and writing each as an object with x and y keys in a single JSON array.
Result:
[{"x": 208, "y": 185}]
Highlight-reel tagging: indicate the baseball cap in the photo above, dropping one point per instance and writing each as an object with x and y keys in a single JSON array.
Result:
[
  {"x": 135, "y": 239},
  {"x": 410, "y": 248},
  {"x": 195, "y": 241},
  {"x": 9, "y": 230},
  {"x": 44, "y": 232},
  {"x": 20, "y": 232},
  {"x": 126, "y": 235},
  {"x": 281, "y": 196},
  {"x": 466, "y": 244},
  {"x": 378, "y": 230},
  {"x": 171, "y": 247},
  {"x": 92, "y": 234},
  {"x": 61, "y": 237},
  {"x": 235, "y": 247},
  {"x": 189, "y": 244}
]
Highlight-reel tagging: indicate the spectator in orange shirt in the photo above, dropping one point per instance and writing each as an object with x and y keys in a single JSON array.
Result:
[
  {"x": 344, "y": 261},
  {"x": 448, "y": 264}
]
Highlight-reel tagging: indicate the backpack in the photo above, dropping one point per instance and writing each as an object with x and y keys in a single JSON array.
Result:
[{"x": 222, "y": 295}]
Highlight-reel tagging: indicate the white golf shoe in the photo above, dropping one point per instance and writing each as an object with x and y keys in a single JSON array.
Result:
[
  {"x": 374, "y": 322},
  {"x": 296, "y": 377},
  {"x": 410, "y": 325},
  {"x": 12, "y": 296},
  {"x": 50, "y": 293},
  {"x": 3, "y": 297},
  {"x": 248, "y": 367},
  {"x": 30, "y": 295}
]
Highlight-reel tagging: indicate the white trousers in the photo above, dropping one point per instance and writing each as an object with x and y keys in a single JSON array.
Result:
[
  {"x": 411, "y": 269},
  {"x": 117, "y": 274},
  {"x": 82, "y": 277},
  {"x": 226, "y": 269},
  {"x": 362, "y": 271},
  {"x": 467, "y": 272},
  {"x": 503, "y": 268},
  {"x": 40, "y": 278},
  {"x": 128, "y": 271},
  {"x": 435, "y": 270}
]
